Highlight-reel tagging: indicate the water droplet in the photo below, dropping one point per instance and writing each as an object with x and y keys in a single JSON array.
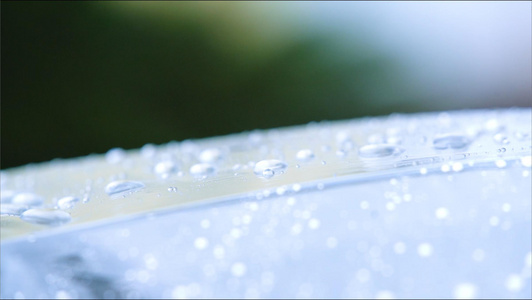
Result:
[
  {"x": 399, "y": 248},
  {"x": 8, "y": 209},
  {"x": 423, "y": 171},
  {"x": 210, "y": 155},
  {"x": 379, "y": 150},
  {"x": 46, "y": 217},
  {"x": 314, "y": 223},
  {"x": 29, "y": 199},
  {"x": 202, "y": 169},
  {"x": 67, "y": 202},
  {"x": 121, "y": 186},
  {"x": 269, "y": 167},
  {"x": 501, "y": 150},
  {"x": 164, "y": 168},
  {"x": 454, "y": 141},
  {"x": 115, "y": 155},
  {"x": 465, "y": 291},
  {"x": 172, "y": 189},
  {"x": 305, "y": 155},
  {"x": 148, "y": 150},
  {"x": 501, "y": 138}
]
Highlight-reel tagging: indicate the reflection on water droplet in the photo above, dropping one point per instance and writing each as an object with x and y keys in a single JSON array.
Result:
[
  {"x": 500, "y": 163},
  {"x": 424, "y": 250},
  {"x": 269, "y": 167},
  {"x": 8, "y": 209},
  {"x": 454, "y": 141},
  {"x": 172, "y": 189},
  {"x": 305, "y": 155},
  {"x": 121, "y": 186},
  {"x": 210, "y": 155},
  {"x": 29, "y": 199},
  {"x": 67, "y": 202},
  {"x": 379, "y": 150},
  {"x": 46, "y": 217},
  {"x": 202, "y": 169}
]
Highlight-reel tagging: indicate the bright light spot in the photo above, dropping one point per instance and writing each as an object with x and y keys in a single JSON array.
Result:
[
  {"x": 390, "y": 206},
  {"x": 514, "y": 283},
  {"x": 457, "y": 166},
  {"x": 313, "y": 223},
  {"x": 219, "y": 252},
  {"x": 201, "y": 243},
  {"x": 506, "y": 207},
  {"x": 364, "y": 205},
  {"x": 526, "y": 161},
  {"x": 465, "y": 291},
  {"x": 494, "y": 221},
  {"x": 384, "y": 295},
  {"x": 238, "y": 269},
  {"x": 441, "y": 213},
  {"x": 500, "y": 163},
  {"x": 424, "y": 250}
]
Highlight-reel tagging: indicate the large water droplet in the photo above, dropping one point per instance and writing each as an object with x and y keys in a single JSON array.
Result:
[
  {"x": 210, "y": 155},
  {"x": 9, "y": 209},
  {"x": 305, "y": 155},
  {"x": 29, "y": 199},
  {"x": 202, "y": 169},
  {"x": 379, "y": 150},
  {"x": 121, "y": 186},
  {"x": 67, "y": 202},
  {"x": 455, "y": 141},
  {"x": 46, "y": 217},
  {"x": 263, "y": 168}
]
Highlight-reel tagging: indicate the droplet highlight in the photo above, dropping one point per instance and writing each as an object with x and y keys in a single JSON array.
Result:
[
  {"x": 379, "y": 150},
  {"x": 121, "y": 186},
  {"x": 269, "y": 167},
  {"x": 453, "y": 141},
  {"x": 46, "y": 217}
]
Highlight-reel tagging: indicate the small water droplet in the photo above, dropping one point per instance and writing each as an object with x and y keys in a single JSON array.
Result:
[
  {"x": 501, "y": 138},
  {"x": 269, "y": 167},
  {"x": 202, "y": 169},
  {"x": 441, "y": 213},
  {"x": 9, "y": 209},
  {"x": 305, "y": 155},
  {"x": 501, "y": 150},
  {"x": 323, "y": 162},
  {"x": 454, "y": 141},
  {"x": 457, "y": 166},
  {"x": 115, "y": 155},
  {"x": 164, "y": 168},
  {"x": 210, "y": 155},
  {"x": 238, "y": 269},
  {"x": 148, "y": 150},
  {"x": 172, "y": 189},
  {"x": 29, "y": 199},
  {"x": 67, "y": 202},
  {"x": 121, "y": 186},
  {"x": 46, "y": 217},
  {"x": 379, "y": 150}
]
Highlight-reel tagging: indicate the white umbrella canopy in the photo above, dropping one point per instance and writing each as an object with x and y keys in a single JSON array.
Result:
[{"x": 433, "y": 205}]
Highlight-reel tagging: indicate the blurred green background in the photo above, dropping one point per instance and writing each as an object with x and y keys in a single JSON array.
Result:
[{"x": 83, "y": 77}]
